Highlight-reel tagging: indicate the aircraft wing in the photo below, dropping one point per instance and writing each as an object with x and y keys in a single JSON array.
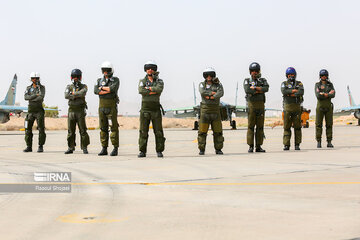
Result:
[
  {"x": 184, "y": 112},
  {"x": 346, "y": 111},
  {"x": 10, "y": 108},
  {"x": 180, "y": 109},
  {"x": 351, "y": 109},
  {"x": 273, "y": 109}
]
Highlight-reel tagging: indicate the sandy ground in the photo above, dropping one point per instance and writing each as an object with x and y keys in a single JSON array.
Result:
[{"x": 17, "y": 123}]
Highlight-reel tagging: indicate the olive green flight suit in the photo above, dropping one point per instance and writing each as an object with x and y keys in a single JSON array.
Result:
[
  {"x": 210, "y": 114},
  {"x": 292, "y": 110},
  {"x": 75, "y": 93},
  {"x": 108, "y": 111},
  {"x": 324, "y": 108},
  {"x": 151, "y": 112},
  {"x": 256, "y": 109},
  {"x": 35, "y": 96}
]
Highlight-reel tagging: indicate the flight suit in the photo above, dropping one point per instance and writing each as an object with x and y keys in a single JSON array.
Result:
[
  {"x": 108, "y": 111},
  {"x": 256, "y": 109},
  {"x": 292, "y": 110},
  {"x": 210, "y": 114},
  {"x": 151, "y": 111},
  {"x": 35, "y": 96},
  {"x": 75, "y": 93},
  {"x": 324, "y": 108}
]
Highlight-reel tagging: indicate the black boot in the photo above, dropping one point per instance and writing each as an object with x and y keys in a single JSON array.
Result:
[
  {"x": 114, "y": 152},
  {"x": 319, "y": 144},
  {"x": 286, "y": 148},
  {"x": 85, "y": 151},
  {"x": 202, "y": 152},
  {"x": 259, "y": 149},
  {"x": 103, "y": 152},
  {"x": 69, "y": 151},
  {"x": 297, "y": 147},
  {"x": 28, "y": 149},
  {"x": 40, "y": 149},
  {"x": 141, "y": 155},
  {"x": 219, "y": 152},
  {"x": 329, "y": 145},
  {"x": 160, "y": 155},
  {"x": 251, "y": 149}
]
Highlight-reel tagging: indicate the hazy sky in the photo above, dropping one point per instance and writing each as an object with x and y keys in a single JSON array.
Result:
[{"x": 183, "y": 37}]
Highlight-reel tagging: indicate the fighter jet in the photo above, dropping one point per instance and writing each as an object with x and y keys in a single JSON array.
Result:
[
  {"x": 352, "y": 108},
  {"x": 226, "y": 111},
  {"x": 7, "y": 106}
]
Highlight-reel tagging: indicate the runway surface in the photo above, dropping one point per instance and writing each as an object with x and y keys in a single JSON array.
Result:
[{"x": 308, "y": 194}]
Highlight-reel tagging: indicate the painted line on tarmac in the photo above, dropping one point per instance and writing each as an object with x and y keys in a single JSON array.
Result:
[{"x": 76, "y": 218}]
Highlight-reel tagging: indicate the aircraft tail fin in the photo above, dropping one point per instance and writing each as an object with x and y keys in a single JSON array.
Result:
[
  {"x": 351, "y": 99},
  {"x": 194, "y": 94},
  {"x": 11, "y": 93},
  {"x": 236, "y": 94}
]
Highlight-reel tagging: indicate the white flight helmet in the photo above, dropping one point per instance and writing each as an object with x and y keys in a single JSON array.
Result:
[
  {"x": 107, "y": 65},
  {"x": 34, "y": 75},
  {"x": 209, "y": 71},
  {"x": 150, "y": 64}
]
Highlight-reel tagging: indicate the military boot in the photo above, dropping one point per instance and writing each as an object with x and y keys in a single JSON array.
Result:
[
  {"x": 114, "y": 152},
  {"x": 219, "y": 152},
  {"x": 286, "y": 148},
  {"x": 251, "y": 149},
  {"x": 141, "y": 155},
  {"x": 202, "y": 152},
  {"x": 259, "y": 149},
  {"x": 69, "y": 151},
  {"x": 319, "y": 144},
  {"x": 103, "y": 152},
  {"x": 28, "y": 149},
  {"x": 40, "y": 149},
  {"x": 297, "y": 147},
  {"x": 85, "y": 151},
  {"x": 160, "y": 155},
  {"x": 329, "y": 145}
]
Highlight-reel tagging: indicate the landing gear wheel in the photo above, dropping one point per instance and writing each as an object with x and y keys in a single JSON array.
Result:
[
  {"x": 233, "y": 124},
  {"x": 196, "y": 125}
]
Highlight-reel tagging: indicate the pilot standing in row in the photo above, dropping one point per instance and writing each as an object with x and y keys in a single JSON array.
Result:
[
  {"x": 35, "y": 94},
  {"x": 293, "y": 92},
  {"x": 255, "y": 89},
  {"x": 211, "y": 90},
  {"x": 150, "y": 88},
  {"x": 324, "y": 91}
]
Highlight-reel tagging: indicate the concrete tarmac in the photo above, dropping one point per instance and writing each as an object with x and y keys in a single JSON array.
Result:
[{"x": 308, "y": 194}]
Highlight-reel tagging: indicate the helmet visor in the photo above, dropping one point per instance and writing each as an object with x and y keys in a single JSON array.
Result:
[
  {"x": 150, "y": 66},
  {"x": 207, "y": 74},
  {"x": 75, "y": 76},
  {"x": 108, "y": 70}
]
